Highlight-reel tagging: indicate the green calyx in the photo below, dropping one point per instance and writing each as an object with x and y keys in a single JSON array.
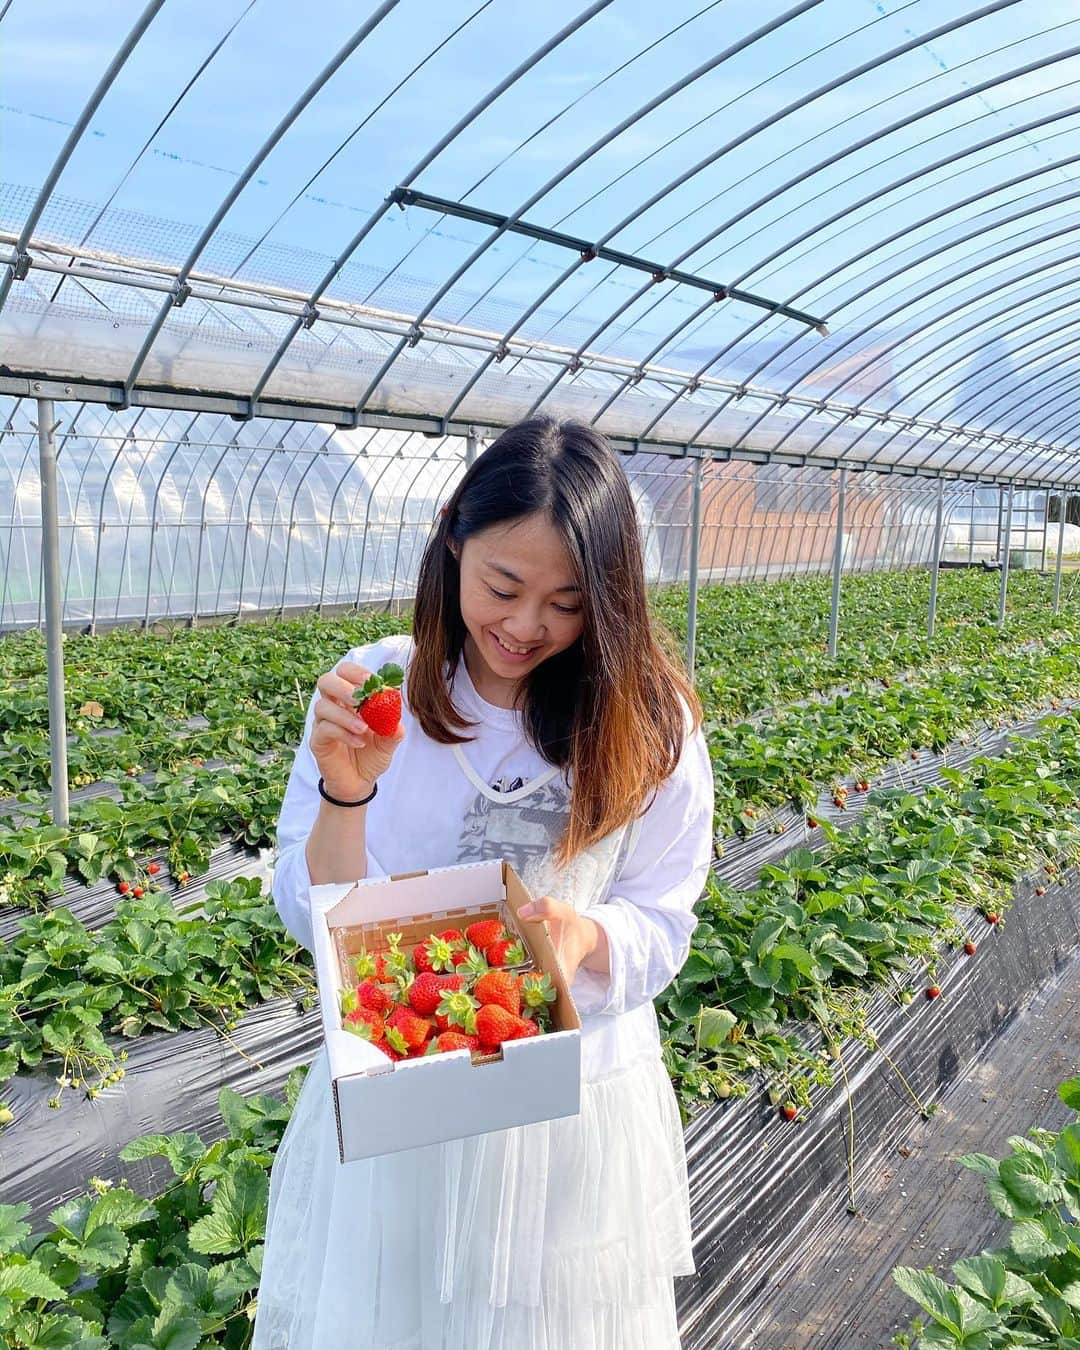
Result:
[
  {"x": 396, "y": 1041},
  {"x": 475, "y": 963},
  {"x": 386, "y": 677},
  {"x": 459, "y": 1009},
  {"x": 441, "y": 953},
  {"x": 537, "y": 990}
]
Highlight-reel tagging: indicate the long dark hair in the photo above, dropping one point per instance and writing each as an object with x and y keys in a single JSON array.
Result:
[{"x": 607, "y": 709}]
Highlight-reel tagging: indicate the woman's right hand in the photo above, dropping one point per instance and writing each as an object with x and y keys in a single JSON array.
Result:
[{"x": 349, "y": 754}]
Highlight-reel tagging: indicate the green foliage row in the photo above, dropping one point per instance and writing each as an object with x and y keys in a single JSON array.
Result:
[{"x": 1026, "y": 1292}]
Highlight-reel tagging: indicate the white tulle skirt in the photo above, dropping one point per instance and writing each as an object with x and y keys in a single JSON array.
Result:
[{"x": 564, "y": 1235}]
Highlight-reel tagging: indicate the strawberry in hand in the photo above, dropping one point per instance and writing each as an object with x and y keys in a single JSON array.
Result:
[{"x": 380, "y": 699}]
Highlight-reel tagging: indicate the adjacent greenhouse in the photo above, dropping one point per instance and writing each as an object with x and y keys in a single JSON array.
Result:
[{"x": 272, "y": 278}]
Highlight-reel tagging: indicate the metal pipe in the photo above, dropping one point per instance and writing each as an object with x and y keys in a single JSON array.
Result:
[
  {"x": 472, "y": 447},
  {"x": 54, "y": 619},
  {"x": 1061, "y": 550},
  {"x": 935, "y": 563},
  {"x": 695, "y": 539},
  {"x": 838, "y": 562},
  {"x": 1005, "y": 558}
]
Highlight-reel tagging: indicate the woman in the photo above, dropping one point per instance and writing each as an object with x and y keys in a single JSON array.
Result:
[{"x": 545, "y": 724}]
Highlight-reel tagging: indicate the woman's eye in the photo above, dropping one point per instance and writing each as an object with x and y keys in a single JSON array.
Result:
[
  {"x": 499, "y": 595},
  {"x": 564, "y": 610}
]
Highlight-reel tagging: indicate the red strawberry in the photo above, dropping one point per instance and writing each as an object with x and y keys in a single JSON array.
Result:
[
  {"x": 451, "y": 935},
  {"x": 153, "y": 868},
  {"x": 137, "y": 891},
  {"x": 789, "y": 1110},
  {"x": 501, "y": 989},
  {"x": 1040, "y": 890},
  {"x": 457, "y": 1040},
  {"x": 425, "y": 993},
  {"x": 412, "y": 1029},
  {"x": 969, "y": 947},
  {"x": 124, "y": 887},
  {"x": 494, "y": 1024},
  {"x": 459, "y": 957},
  {"x": 933, "y": 991},
  {"x": 507, "y": 952},
  {"x": 484, "y": 932},
  {"x": 373, "y": 996},
  {"x": 421, "y": 956},
  {"x": 526, "y": 1030},
  {"x": 389, "y": 1050},
  {"x": 811, "y": 822},
  {"x": 380, "y": 699},
  {"x": 991, "y": 918},
  {"x": 184, "y": 878},
  {"x": 453, "y": 983},
  {"x": 363, "y": 1022}
]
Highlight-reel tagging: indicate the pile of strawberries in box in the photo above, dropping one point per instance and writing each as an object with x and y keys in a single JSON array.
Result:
[{"x": 453, "y": 991}]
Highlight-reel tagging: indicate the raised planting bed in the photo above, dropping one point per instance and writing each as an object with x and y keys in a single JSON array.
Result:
[{"x": 759, "y": 1184}]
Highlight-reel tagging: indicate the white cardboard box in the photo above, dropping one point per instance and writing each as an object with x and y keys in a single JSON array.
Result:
[{"x": 382, "y": 1106}]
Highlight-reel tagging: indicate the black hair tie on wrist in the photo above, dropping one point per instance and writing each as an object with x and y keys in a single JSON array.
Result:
[{"x": 335, "y": 802}]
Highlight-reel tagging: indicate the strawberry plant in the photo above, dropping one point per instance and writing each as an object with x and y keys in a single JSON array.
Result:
[
  {"x": 178, "y": 1269},
  {"x": 1028, "y": 1291},
  {"x": 62, "y": 989}
]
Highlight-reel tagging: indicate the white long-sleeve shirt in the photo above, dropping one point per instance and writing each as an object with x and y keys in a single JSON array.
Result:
[{"x": 438, "y": 805}]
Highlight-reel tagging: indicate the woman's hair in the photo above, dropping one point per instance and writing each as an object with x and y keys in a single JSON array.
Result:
[{"x": 607, "y": 709}]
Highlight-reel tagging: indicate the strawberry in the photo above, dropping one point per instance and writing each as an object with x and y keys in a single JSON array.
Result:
[
  {"x": 153, "y": 868},
  {"x": 372, "y": 996},
  {"x": 1040, "y": 890},
  {"x": 526, "y": 1030},
  {"x": 363, "y": 1022},
  {"x": 451, "y": 935},
  {"x": 124, "y": 887},
  {"x": 413, "y": 1030},
  {"x": 459, "y": 1010},
  {"x": 811, "y": 822},
  {"x": 933, "y": 991},
  {"x": 991, "y": 918},
  {"x": 494, "y": 1024},
  {"x": 370, "y": 965},
  {"x": 380, "y": 699},
  {"x": 501, "y": 989},
  {"x": 421, "y": 956},
  {"x": 457, "y": 1040},
  {"x": 484, "y": 932},
  {"x": 391, "y": 1051},
  {"x": 507, "y": 952},
  {"x": 969, "y": 947},
  {"x": 789, "y": 1110},
  {"x": 425, "y": 993},
  {"x": 459, "y": 958}
]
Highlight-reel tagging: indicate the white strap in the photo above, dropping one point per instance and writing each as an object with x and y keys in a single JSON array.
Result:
[{"x": 493, "y": 794}]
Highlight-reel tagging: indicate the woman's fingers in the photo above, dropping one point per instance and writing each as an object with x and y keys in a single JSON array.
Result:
[
  {"x": 352, "y": 739},
  {"x": 326, "y": 710},
  {"x": 545, "y": 907}
]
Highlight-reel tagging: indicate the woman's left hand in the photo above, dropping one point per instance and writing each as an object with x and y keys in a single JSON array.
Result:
[{"x": 577, "y": 940}]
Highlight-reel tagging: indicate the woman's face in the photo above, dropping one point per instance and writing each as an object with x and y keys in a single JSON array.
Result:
[{"x": 517, "y": 591}]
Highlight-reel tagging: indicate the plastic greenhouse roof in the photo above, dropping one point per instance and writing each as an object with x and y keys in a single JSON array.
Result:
[{"x": 838, "y": 232}]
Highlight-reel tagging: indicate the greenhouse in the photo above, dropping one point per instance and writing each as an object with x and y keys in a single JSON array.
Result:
[{"x": 274, "y": 283}]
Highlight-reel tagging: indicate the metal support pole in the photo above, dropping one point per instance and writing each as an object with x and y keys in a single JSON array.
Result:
[
  {"x": 837, "y": 566},
  {"x": 695, "y": 542},
  {"x": 1007, "y": 538},
  {"x": 472, "y": 447},
  {"x": 971, "y": 531},
  {"x": 1061, "y": 550},
  {"x": 54, "y": 625},
  {"x": 935, "y": 563}
]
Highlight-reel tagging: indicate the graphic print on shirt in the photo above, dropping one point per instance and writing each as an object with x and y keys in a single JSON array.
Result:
[{"x": 517, "y": 831}]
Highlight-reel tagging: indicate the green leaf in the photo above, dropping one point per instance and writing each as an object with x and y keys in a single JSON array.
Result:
[
  {"x": 183, "y": 1150},
  {"x": 933, "y": 1295},
  {"x": 175, "y": 1330},
  {"x": 713, "y": 1025},
  {"x": 1069, "y": 1092},
  {"x": 22, "y": 1279},
  {"x": 12, "y": 1228},
  {"x": 237, "y": 1215}
]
